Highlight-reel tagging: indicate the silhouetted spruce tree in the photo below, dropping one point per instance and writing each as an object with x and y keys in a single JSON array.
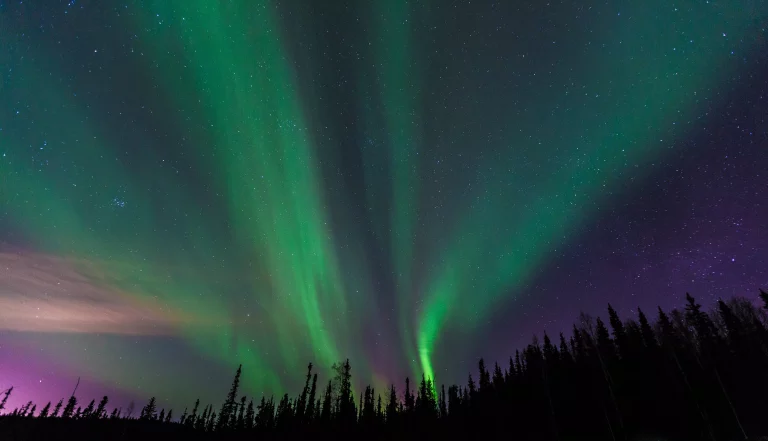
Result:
[
  {"x": 764, "y": 298},
  {"x": 240, "y": 423},
  {"x": 6, "y": 394},
  {"x": 325, "y": 414},
  {"x": 619, "y": 333},
  {"x": 510, "y": 372},
  {"x": 57, "y": 409},
  {"x": 605, "y": 345},
  {"x": 183, "y": 418},
  {"x": 705, "y": 332},
  {"x": 565, "y": 352},
  {"x": 192, "y": 419},
  {"x": 472, "y": 388},
  {"x": 265, "y": 419},
  {"x": 359, "y": 416},
  {"x": 169, "y": 416},
  {"x": 249, "y": 416},
  {"x": 453, "y": 400},
  {"x": 379, "y": 411},
  {"x": 392, "y": 405},
  {"x": 228, "y": 407},
  {"x": 498, "y": 378},
  {"x": 161, "y": 417},
  {"x": 78, "y": 412},
  {"x": 672, "y": 343},
  {"x": 129, "y": 410},
  {"x": 88, "y": 411},
  {"x": 649, "y": 338},
  {"x": 443, "y": 406},
  {"x": 518, "y": 362},
  {"x": 284, "y": 414},
  {"x": 148, "y": 412},
  {"x": 22, "y": 411},
  {"x": 202, "y": 420},
  {"x": 427, "y": 404},
  {"x": 301, "y": 403},
  {"x": 368, "y": 414},
  {"x": 410, "y": 401},
  {"x": 346, "y": 407},
  {"x": 485, "y": 377},
  {"x": 210, "y": 424},
  {"x": 101, "y": 410},
  {"x": 45, "y": 411},
  {"x": 310, "y": 412},
  {"x": 69, "y": 410}
]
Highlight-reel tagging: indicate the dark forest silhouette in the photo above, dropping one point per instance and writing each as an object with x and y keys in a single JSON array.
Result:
[{"x": 689, "y": 375}]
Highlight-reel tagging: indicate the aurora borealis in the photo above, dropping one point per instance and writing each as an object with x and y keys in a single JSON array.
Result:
[{"x": 187, "y": 185}]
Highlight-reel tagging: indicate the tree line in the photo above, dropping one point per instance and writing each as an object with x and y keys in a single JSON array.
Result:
[{"x": 689, "y": 374}]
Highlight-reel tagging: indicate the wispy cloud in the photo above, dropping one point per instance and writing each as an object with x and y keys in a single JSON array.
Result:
[{"x": 45, "y": 293}]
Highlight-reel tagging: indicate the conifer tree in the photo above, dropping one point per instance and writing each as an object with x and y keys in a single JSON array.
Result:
[
  {"x": 646, "y": 331},
  {"x": 101, "y": 410},
  {"x": 454, "y": 395},
  {"x": 764, "y": 298},
  {"x": 249, "y": 416},
  {"x": 88, "y": 411},
  {"x": 6, "y": 394},
  {"x": 485, "y": 376},
  {"x": 310, "y": 413},
  {"x": 193, "y": 416},
  {"x": 148, "y": 412},
  {"x": 183, "y": 419},
  {"x": 57, "y": 408},
  {"x": 325, "y": 414},
  {"x": 70, "y": 408},
  {"x": 392, "y": 405},
  {"x": 565, "y": 353},
  {"x": 284, "y": 413},
  {"x": 409, "y": 399},
  {"x": 360, "y": 408},
  {"x": 129, "y": 410},
  {"x": 443, "y": 406},
  {"x": 240, "y": 423},
  {"x": 498, "y": 377},
  {"x": 228, "y": 407},
  {"x": 161, "y": 417},
  {"x": 45, "y": 411},
  {"x": 202, "y": 421},
  {"x": 604, "y": 343},
  {"x": 472, "y": 389},
  {"x": 301, "y": 404},
  {"x": 619, "y": 333},
  {"x": 346, "y": 407},
  {"x": 169, "y": 416}
]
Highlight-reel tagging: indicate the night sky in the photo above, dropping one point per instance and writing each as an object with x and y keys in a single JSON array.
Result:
[{"x": 187, "y": 185}]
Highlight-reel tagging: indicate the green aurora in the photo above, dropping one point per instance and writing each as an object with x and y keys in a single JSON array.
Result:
[{"x": 214, "y": 198}]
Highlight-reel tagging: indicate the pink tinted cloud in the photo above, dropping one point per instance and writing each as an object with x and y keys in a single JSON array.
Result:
[{"x": 44, "y": 293}]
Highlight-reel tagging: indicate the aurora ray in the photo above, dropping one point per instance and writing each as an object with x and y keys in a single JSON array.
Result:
[{"x": 201, "y": 184}]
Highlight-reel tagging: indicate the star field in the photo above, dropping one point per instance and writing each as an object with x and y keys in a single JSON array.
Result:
[{"x": 189, "y": 185}]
